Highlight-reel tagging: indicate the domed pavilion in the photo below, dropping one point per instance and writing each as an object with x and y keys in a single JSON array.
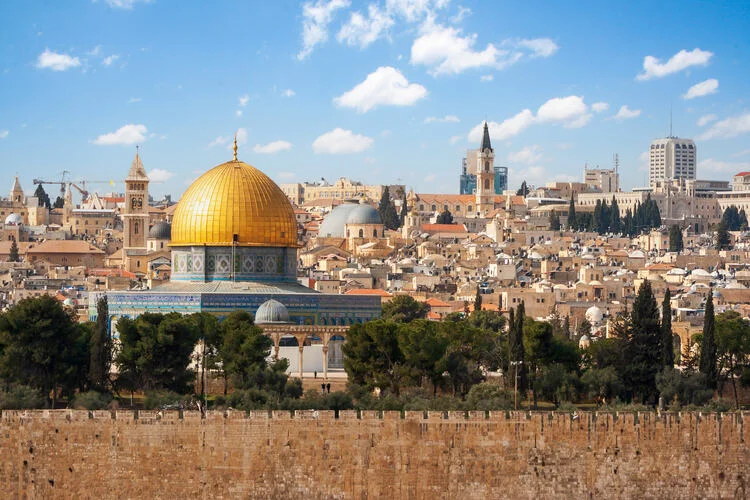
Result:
[{"x": 234, "y": 246}]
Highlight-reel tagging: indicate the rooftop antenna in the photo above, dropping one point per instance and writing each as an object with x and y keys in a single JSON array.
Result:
[{"x": 670, "y": 120}]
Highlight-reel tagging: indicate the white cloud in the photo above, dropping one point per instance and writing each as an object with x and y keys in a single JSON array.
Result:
[
  {"x": 287, "y": 93},
  {"x": 653, "y": 68},
  {"x": 430, "y": 178},
  {"x": 706, "y": 119},
  {"x": 415, "y": 10},
  {"x": 238, "y": 113},
  {"x": 56, "y": 61},
  {"x": 710, "y": 86},
  {"x": 723, "y": 166},
  {"x": 107, "y": 61},
  {"x": 444, "y": 119},
  {"x": 744, "y": 152},
  {"x": 133, "y": 100},
  {"x": 125, "y": 135},
  {"x": 124, "y": 4},
  {"x": 340, "y": 141},
  {"x": 570, "y": 111},
  {"x": 486, "y": 78},
  {"x": 243, "y": 100},
  {"x": 447, "y": 51},
  {"x": 727, "y": 128},
  {"x": 95, "y": 51},
  {"x": 385, "y": 86},
  {"x": 528, "y": 155},
  {"x": 540, "y": 47},
  {"x": 241, "y": 136},
  {"x": 505, "y": 130},
  {"x": 218, "y": 141},
  {"x": 599, "y": 107},
  {"x": 462, "y": 12},
  {"x": 316, "y": 18},
  {"x": 273, "y": 147},
  {"x": 159, "y": 175},
  {"x": 362, "y": 31},
  {"x": 626, "y": 113},
  {"x": 4, "y": 134},
  {"x": 455, "y": 139}
]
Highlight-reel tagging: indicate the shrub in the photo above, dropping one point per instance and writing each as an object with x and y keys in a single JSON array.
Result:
[
  {"x": 20, "y": 397},
  {"x": 164, "y": 400},
  {"x": 91, "y": 400},
  {"x": 488, "y": 396}
]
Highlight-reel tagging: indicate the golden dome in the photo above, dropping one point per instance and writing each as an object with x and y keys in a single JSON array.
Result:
[{"x": 234, "y": 202}]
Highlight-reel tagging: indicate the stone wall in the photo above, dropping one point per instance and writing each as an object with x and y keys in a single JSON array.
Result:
[{"x": 77, "y": 454}]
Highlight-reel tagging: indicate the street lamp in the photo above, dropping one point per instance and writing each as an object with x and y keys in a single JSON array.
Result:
[{"x": 515, "y": 390}]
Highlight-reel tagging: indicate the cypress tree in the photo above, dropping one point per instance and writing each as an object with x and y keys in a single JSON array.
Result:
[
  {"x": 597, "y": 222},
  {"x": 478, "y": 300},
  {"x": 708, "y": 344},
  {"x": 517, "y": 353},
  {"x": 386, "y": 210},
  {"x": 675, "y": 239},
  {"x": 644, "y": 344},
  {"x": 404, "y": 210},
  {"x": 42, "y": 196},
  {"x": 722, "y": 236},
  {"x": 666, "y": 331},
  {"x": 615, "y": 225},
  {"x": 554, "y": 221},
  {"x": 572, "y": 222},
  {"x": 100, "y": 353},
  {"x": 13, "y": 255}
]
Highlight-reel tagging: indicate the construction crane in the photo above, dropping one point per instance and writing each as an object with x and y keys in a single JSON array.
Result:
[{"x": 63, "y": 183}]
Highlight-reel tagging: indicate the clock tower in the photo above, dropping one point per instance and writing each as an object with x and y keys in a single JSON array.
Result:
[
  {"x": 485, "y": 193},
  {"x": 135, "y": 216}
]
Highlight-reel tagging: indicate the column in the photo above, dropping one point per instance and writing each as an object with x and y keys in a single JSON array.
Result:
[
  {"x": 301, "y": 347},
  {"x": 276, "y": 341},
  {"x": 325, "y": 362}
]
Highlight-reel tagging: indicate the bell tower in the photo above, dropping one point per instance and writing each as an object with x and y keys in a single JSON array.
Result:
[
  {"x": 485, "y": 192},
  {"x": 135, "y": 215}
]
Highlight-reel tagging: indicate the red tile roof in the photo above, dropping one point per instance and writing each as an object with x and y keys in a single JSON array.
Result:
[
  {"x": 369, "y": 291},
  {"x": 444, "y": 228}
]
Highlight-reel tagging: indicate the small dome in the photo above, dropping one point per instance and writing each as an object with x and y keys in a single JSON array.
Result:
[
  {"x": 160, "y": 231},
  {"x": 637, "y": 254},
  {"x": 584, "y": 342},
  {"x": 13, "y": 219},
  {"x": 594, "y": 315},
  {"x": 701, "y": 272},
  {"x": 271, "y": 311},
  {"x": 333, "y": 224},
  {"x": 363, "y": 214},
  {"x": 69, "y": 302}
]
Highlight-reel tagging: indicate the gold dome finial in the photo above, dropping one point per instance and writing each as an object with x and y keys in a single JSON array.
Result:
[{"x": 235, "y": 146}]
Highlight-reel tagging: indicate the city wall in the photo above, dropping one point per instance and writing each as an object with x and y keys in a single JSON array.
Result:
[{"x": 80, "y": 454}]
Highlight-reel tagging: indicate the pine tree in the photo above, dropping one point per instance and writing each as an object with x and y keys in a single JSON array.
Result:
[
  {"x": 59, "y": 202},
  {"x": 644, "y": 344},
  {"x": 42, "y": 196},
  {"x": 572, "y": 222},
  {"x": 523, "y": 190},
  {"x": 13, "y": 256},
  {"x": 666, "y": 331},
  {"x": 604, "y": 218},
  {"x": 554, "y": 221},
  {"x": 478, "y": 300},
  {"x": 708, "y": 344},
  {"x": 445, "y": 217},
  {"x": 515, "y": 342}
]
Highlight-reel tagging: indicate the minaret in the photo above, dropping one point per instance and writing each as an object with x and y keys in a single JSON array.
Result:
[
  {"x": 135, "y": 216},
  {"x": 16, "y": 193},
  {"x": 485, "y": 193}
]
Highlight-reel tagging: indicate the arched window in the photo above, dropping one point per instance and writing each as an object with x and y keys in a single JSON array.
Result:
[
  {"x": 347, "y": 233},
  {"x": 374, "y": 233},
  {"x": 486, "y": 184},
  {"x": 135, "y": 228},
  {"x": 361, "y": 234},
  {"x": 486, "y": 166}
]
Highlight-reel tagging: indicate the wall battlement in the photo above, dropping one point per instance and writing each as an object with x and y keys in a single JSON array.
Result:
[{"x": 313, "y": 454}]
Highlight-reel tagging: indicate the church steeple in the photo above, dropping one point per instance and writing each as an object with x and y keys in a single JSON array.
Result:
[
  {"x": 16, "y": 193},
  {"x": 486, "y": 144},
  {"x": 137, "y": 172}
]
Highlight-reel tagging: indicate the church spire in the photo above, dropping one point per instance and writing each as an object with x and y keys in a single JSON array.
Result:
[
  {"x": 486, "y": 138},
  {"x": 137, "y": 172}
]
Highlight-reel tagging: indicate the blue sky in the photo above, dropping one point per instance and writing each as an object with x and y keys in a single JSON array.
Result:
[{"x": 383, "y": 92}]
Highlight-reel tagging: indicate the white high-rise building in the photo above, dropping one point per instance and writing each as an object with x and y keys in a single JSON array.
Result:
[{"x": 671, "y": 158}]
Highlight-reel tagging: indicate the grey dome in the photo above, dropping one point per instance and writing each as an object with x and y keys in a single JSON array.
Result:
[
  {"x": 333, "y": 225},
  {"x": 363, "y": 214},
  {"x": 13, "y": 219},
  {"x": 271, "y": 311},
  {"x": 160, "y": 231}
]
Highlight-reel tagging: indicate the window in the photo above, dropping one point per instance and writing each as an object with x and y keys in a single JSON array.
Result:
[
  {"x": 135, "y": 228},
  {"x": 486, "y": 184},
  {"x": 374, "y": 233},
  {"x": 486, "y": 166},
  {"x": 361, "y": 233}
]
